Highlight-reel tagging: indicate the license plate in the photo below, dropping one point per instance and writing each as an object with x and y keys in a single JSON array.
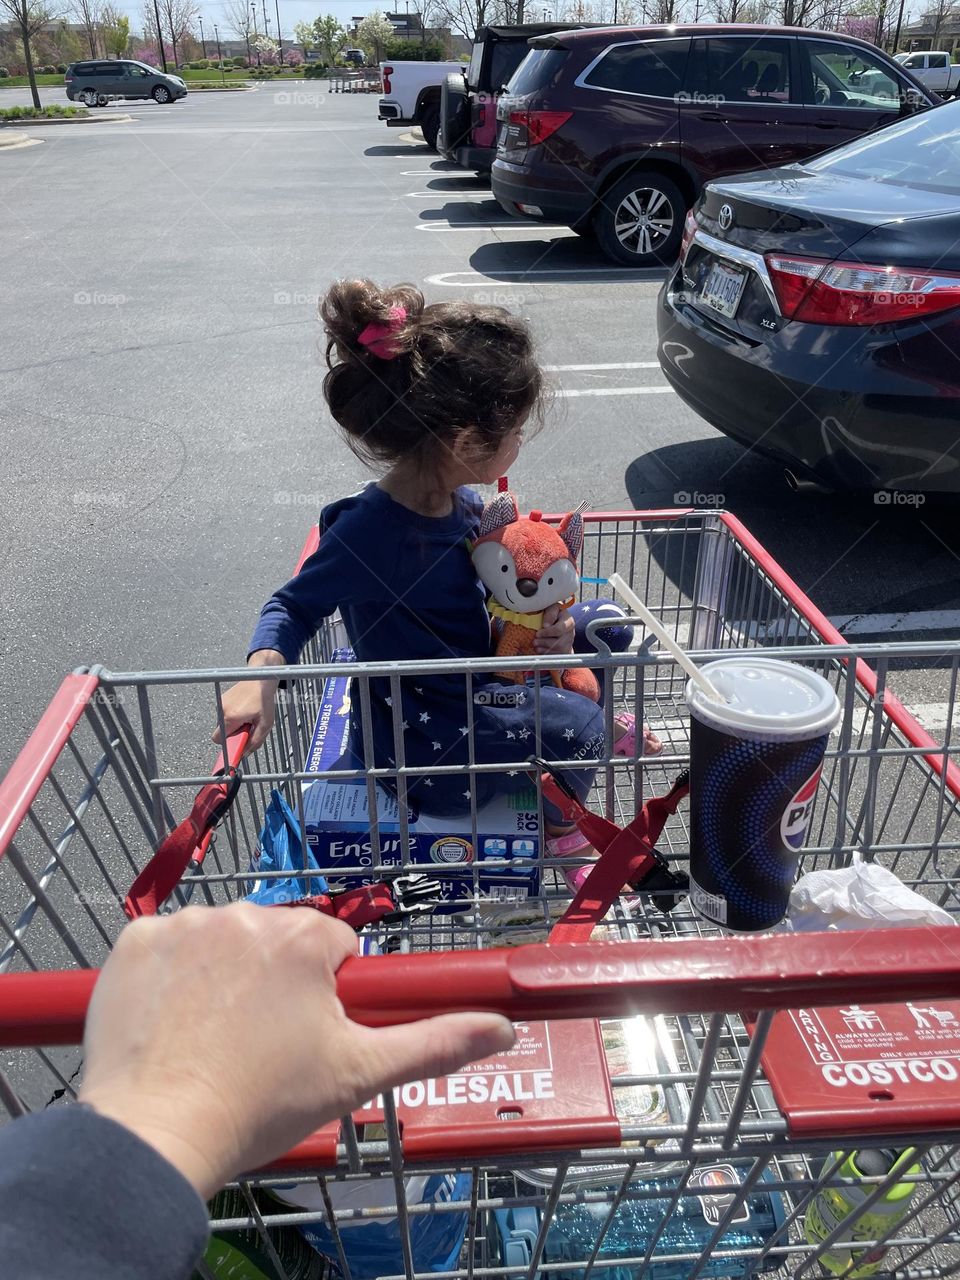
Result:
[{"x": 723, "y": 288}]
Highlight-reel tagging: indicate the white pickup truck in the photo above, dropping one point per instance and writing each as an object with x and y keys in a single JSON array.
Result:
[
  {"x": 411, "y": 95},
  {"x": 933, "y": 69}
]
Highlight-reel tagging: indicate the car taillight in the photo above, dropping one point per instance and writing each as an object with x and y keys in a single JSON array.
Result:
[
  {"x": 387, "y": 73},
  {"x": 689, "y": 231},
  {"x": 815, "y": 291},
  {"x": 539, "y": 125}
]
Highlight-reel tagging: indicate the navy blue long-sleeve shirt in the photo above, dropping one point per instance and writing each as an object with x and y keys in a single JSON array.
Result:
[
  {"x": 82, "y": 1196},
  {"x": 404, "y": 583}
]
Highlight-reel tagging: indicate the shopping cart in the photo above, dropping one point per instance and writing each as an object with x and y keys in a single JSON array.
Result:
[{"x": 681, "y": 1139}]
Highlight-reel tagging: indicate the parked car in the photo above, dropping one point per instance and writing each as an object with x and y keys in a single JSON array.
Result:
[
  {"x": 355, "y": 57},
  {"x": 933, "y": 67},
  {"x": 96, "y": 82},
  {"x": 468, "y": 106},
  {"x": 616, "y": 131},
  {"x": 411, "y": 94},
  {"x": 815, "y": 311}
]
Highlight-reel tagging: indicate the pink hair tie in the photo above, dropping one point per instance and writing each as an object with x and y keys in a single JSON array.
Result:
[{"x": 378, "y": 338}]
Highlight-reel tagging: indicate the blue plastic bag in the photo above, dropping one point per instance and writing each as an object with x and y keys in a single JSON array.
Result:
[{"x": 281, "y": 848}]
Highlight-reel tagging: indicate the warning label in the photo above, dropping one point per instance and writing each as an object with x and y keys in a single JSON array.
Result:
[{"x": 880, "y": 1063}]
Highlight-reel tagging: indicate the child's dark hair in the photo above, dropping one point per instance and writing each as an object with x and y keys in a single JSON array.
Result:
[{"x": 457, "y": 365}]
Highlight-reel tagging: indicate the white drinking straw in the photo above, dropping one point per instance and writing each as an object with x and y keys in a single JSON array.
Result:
[{"x": 640, "y": 610}]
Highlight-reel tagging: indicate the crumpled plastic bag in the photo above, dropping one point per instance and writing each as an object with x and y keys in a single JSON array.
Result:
[
  {"x": 281, "y": 848},
  {"x": 861, "y": 896}
]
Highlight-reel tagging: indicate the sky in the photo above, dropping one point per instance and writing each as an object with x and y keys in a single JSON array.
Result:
[{"x": 291, "y": 12}]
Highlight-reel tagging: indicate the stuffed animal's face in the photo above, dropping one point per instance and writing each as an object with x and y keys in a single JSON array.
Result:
[{"x": 526, "y": 564}]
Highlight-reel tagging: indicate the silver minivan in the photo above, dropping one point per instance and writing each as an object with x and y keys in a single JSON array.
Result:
[{"x": 95, "y": 83}]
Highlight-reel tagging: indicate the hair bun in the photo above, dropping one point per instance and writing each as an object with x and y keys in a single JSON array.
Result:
[{"x": 351, "y": 305}]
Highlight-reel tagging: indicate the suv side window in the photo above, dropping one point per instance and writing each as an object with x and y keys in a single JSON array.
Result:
[
  {"x": 654, "y": 68},
  {"x": 132, "y": 69},
  {"x": 744, "y": 69},
  {"x": 105, "y": 69},
  {"x": 848, "y": 76}
]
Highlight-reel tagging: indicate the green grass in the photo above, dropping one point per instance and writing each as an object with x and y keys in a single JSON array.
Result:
[
  {"x": 45, "y": 113},
  {"x": 17, "y": 82}
]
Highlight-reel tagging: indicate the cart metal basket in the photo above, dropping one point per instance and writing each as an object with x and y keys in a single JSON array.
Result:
[{"x": 677, "y": 1151}]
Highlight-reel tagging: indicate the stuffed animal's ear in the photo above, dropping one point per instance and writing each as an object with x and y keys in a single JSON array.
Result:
[
  {"x": 502, "y": 510},
  {"x": 571, "y": 531}
]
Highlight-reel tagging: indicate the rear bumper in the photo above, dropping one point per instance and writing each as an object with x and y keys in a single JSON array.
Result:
[
  {"x": 512, "y": 186},
  {"x": 819, "y": 399},
  {"x": 391, "y": 112}
]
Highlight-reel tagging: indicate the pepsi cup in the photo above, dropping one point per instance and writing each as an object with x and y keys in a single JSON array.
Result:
[{"x": 755, "y": 761}]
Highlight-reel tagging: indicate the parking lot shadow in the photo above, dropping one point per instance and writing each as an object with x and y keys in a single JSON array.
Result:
[
  {"x": 465, "y": 214},
  {"x": 848, "y": 553},
  {"x": 568, "y": 257},
  {"x": 402, "y": 149}
]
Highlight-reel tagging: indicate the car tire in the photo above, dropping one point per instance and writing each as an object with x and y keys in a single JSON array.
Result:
[
  {"x": 430, "y": 125},
  {"x": 161, "y": 95},
  {"x": 89, "y": 97},
  {"x": 102, "y": 99},
  {"x": 454, "y": 114},
  {"x": 639, "y": 222}
]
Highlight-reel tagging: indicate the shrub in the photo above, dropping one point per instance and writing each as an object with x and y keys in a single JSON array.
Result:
[
  {"x": 62, "y": 68},
  {"x": 31, "y": 113},
  {"x": 4, "y": 73},
  {"x": 239, "y": 62},
  {"x": 315, "y": 70},
  {"x": 48, "y": 71},
  {"x": 293, "y": 57},
  {"x": 203, "y": 64}
]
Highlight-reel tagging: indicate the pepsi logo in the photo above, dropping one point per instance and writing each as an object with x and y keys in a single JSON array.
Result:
[{"x": 796, "y": 816}]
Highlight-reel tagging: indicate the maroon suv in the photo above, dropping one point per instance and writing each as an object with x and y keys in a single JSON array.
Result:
[{"x": 615, "y": 131}]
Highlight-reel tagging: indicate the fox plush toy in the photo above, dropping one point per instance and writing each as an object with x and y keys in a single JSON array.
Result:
[{"x": 527, "y": 566}]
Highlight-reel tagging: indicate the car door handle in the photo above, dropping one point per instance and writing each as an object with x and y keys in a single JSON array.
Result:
[{"x": 712, "y": 115}]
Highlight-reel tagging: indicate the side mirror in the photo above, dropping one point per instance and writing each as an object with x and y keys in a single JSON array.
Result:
[{"x": 911, "y": 100}]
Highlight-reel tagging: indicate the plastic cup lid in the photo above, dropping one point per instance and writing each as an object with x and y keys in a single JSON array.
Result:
[{"x": 766, "y": 696}]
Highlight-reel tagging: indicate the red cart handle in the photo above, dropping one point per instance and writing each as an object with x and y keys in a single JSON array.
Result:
[{"x": 588, "y": 980}]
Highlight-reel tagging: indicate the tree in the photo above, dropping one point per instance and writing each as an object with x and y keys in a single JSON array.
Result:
[
  {"x": 114, "y": 30},
  {"x": 267, "y": 48},
  {"x": 176, "y": 16},
  {"x": 374, "y": 33},
  {"x": 329, "y": 37},
  {"x": 87, "y": 14},
  {"x": 29, "y": 17},
  {"x": 304, "y": 35},
  {"x": 237, "y": 16}
]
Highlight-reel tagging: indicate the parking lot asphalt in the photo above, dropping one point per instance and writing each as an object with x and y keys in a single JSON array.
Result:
[{"x": 166, "y": 445}]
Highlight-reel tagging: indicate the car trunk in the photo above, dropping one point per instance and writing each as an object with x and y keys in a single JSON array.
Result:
[{"x": 725, "y": 274}]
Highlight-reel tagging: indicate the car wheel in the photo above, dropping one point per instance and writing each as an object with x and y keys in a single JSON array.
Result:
[
  {"x": 102, "y": 99},
  {"x": 430, "y": 125},
  {"x": 161, "y": 94},
  {"x": 89, "y": 97},
  {"x": 640, "y": 219},
  {"x": 454, "y": 113}
]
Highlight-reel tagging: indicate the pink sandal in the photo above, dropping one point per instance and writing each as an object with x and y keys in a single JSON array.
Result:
[
  {"x": 626, "y": 745},
  {"x": 563, "y": 847}
]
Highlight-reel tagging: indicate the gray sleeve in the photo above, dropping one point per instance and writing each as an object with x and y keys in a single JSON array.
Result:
[{"x": 82, "y": 1196}]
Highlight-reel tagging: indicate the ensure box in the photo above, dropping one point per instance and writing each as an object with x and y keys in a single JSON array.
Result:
[{"x": 337, "y": 816}]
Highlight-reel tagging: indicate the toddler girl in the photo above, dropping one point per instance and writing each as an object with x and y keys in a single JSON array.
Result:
[{"x": 436, "y": 397}]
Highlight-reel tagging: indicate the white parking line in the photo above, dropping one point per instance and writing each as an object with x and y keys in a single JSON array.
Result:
[
  {"x": 587, "y": 368},
  {"x": 465, "y": 279},
  {"x": 871, "y": 624},
  {"x": 617, "y": 391},
  {"x": 479, "y": 226},
  {"x": 479, "y": 197}
]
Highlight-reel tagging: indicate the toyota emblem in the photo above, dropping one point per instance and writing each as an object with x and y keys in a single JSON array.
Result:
[{"x": 725, "y": 217}]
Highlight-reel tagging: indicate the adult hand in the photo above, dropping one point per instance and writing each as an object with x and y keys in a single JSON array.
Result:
[
  {"x": 216, "y": 1035},
  {"x": 556, "y": 634}
]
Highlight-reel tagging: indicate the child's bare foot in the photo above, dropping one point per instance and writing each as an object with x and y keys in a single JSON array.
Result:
[{"x": 625, "y": 737}]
